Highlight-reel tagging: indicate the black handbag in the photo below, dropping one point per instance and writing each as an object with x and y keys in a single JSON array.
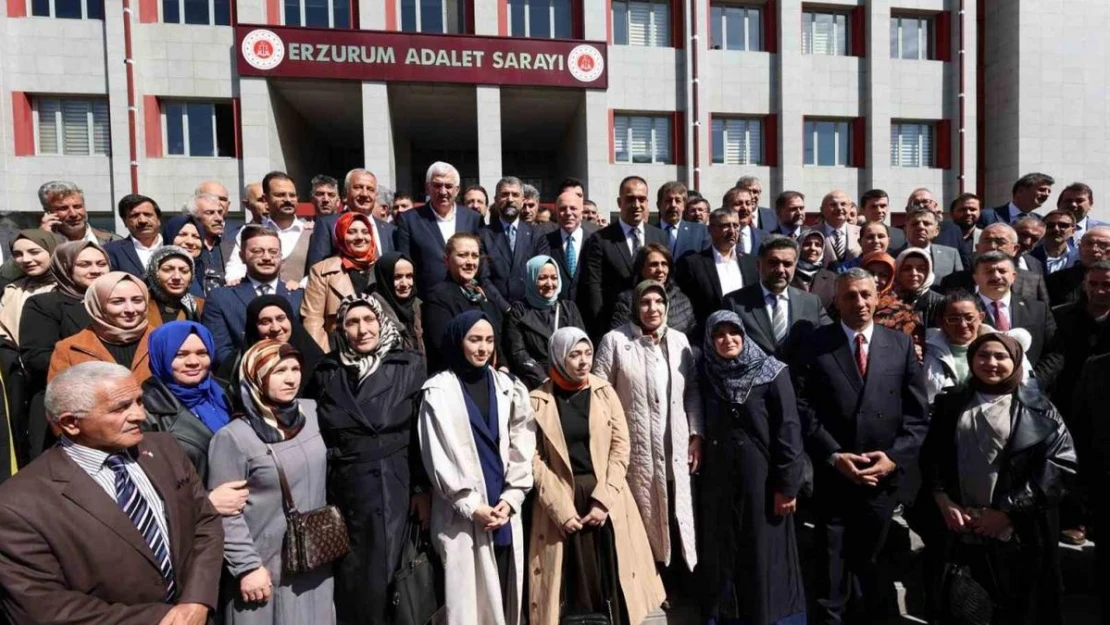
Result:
[
  {"x": 313, "y": 538},
  {"x": 416, "y": 590},
  {"x": 966, "y": 601}
]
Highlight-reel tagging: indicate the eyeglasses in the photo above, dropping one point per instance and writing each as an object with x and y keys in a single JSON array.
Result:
[
  {"x": 1058, "y": 225},
  {"x": 1098, "y": 245},
  {"x": 955, "y": 320}
]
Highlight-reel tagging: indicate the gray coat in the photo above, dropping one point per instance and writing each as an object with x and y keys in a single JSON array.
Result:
[{"x": 254, "y": 538}]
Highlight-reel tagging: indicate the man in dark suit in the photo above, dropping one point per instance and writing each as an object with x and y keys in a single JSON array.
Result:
[
  {"x": 143, "y": 219},
  {"x": 1002, "y": 238},
  {"x": 607, "y": 256},
  {"x": 1006, "y": 310},
  {"x": 507, "y": 244},
  {"x": 742, "y": 203},
  {"x": 422, "y": 233},
  {"x": 959, "y": 230},
  {"x": 361, "y": 195},
  {"x": 708, "y": 276},
  {"x": 1093, "y": 453},
  {"x": 564, "y": 244},
  {"x": 225, "y": 309},
  {"x": 683, "y": 237},
  {"x": 764, "y": 217},
  {"x": 110, "y": 525},
  {"x": 861, "y": 398},
  {"x": 920, "y": 230},
  {"x": 790, "y": 208},
  {"x": 777, "y": 316},
  {"x": 1028, "y": 194},
  {"x": 1066, "y": 286}
]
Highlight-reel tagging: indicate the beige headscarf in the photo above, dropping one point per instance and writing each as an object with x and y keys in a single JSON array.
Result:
[{"x": 96, "y": 297}]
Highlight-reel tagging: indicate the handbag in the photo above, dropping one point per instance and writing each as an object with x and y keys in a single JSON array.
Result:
[
  {"x": 416, "y": 590},
  {"x": 966, "y": 602},
  {"x": 313, "y": 538}
]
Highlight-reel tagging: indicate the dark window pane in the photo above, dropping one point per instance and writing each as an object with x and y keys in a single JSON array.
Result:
[
  {"x": 292, "y": 13},
  {"x": 68, "y": 9},
  {"x": 175, "y": 129},
  {"x": 826, "y": 143},
  {"x": 225, "y": 130},
  {"x": 196, "y": 12},
  {"x": 171, "y": 11},
  {"x": 516, "y": 17},
  {"x": 620, "y": 23},
  {"x": 562, "y": 19},
  {"x": 342, "y": 10},
  {"x": 95, "y": 10},
  {"x": 539, "y": 18},
  {"x": 221, "y": 12},
  {"x": 40, "y": 8},
  {"x": 431, "y": 16},
  {"x": 201, "y": 139},
  {"x": 408, "y": 15},
  {"x": 316, "y": 13}
]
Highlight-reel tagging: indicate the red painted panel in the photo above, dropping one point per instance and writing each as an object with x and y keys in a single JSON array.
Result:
[
  {"x": 152, "y": 126},
  {"x": 771, "y": 26},
  {"x": 237, "y": 122},
  {"x": 943, "y": 41},
  {"x": 148, "y": 11},
  {"x": 17, "y": 8},
  {"x": 609, "y": 21},
  {"x": 502, "y": 17},
  {"x": 859, "y": 142},
  {"x": 771, "y": 140},
  {"x": 273, "y": 12},
  {"x": 391, "y": 15},
  {"x": 944, "y": 144},
  {"x": 859, "y": 31},
  {"x": 23, "y": 120},
  {"x": 577, "y": 19},
  {"x": 678, "y": 24}
]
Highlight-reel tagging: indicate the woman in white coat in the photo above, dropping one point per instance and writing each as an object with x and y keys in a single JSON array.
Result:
[
  {"x": 653, "y": 371},
  {"x": 478, "y": 437}
]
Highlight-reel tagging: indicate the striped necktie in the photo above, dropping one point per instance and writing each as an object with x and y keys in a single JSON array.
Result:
[
  {"x": 778, "y": 317},
  {"x": 133, "y": 504},
  {"x": 838, "y": 244}
]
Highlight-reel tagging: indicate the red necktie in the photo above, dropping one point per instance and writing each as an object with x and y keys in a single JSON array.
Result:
[
  {"x": 861, "y": 355},
  {"x": 1001, "y": 321}
]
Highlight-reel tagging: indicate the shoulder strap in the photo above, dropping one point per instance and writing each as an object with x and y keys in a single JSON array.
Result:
[{"x": 286, "y": 496}]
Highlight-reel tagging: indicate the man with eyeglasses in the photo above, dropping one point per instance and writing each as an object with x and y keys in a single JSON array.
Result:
[
  {"x": 709, "y": 275},
  {"x": 1066, "y": 286},
  {"x": 1055, "y": 250},
  {"x": 1002, "y": 238}
]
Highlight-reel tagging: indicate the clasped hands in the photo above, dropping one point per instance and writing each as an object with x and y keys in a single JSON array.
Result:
[
  {"x": 981, "y": 521},
  {"x": 596, "y": 517},
  {"x": 865, "y": 469},
  {"x": 492, "y": 518}
]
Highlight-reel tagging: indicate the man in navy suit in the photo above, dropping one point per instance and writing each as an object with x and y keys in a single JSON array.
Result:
[
  {"x": 683, "y": 237},
  {"x": 507, "y": 244},
  {"x": 143, "y": 219},
  {"x": 422, "y": 233},
  {"x": 742, "y": 203},
  {"x": 1027, "y": 195},
  {"x": 861, "y": 397},
  {"x": 708, "y": 276},
  {"x": 225, "y": 309},
  {"x": 765, "y": 218},
  {"x": 564, "y": 244},
  {"x": 361, "y": 195}
]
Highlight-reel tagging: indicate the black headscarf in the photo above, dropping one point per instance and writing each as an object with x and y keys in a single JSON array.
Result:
[
  {"x": 384, "y": 271},
  {"x": 1017, "y": 354},
  {"x": 453, "y": 336},
  {"x": 311, "y": 354}
]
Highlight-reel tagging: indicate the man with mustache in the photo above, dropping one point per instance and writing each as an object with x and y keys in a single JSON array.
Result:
[
  {"x": 706, "y": 277},
  {"x": 215, "y": 249},
  {"x": 507, "y": 243},
  {"x": 143, "y": 219},
  {"x": 64, "y": 214},
  {"x": 360, "y": 189},
  {"x": 280, "y": 193},
  {"x": 994, "y": 276},
  {"x": 325, "y": 195}
]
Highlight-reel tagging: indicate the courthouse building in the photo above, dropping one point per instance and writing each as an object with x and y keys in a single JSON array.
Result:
[{"x": 157, "y": 95}]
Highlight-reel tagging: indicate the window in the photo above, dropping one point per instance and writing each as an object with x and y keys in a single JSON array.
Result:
[
  {"x": 69, "y": 9},
  {"x": 911, "y": 38},
  {"x": 204, "y": 12},
  {"x": 642, "y": 139},
  {"x": 825, "y": 33},
  {"x": 546, "y": 19},
  {"x": 642, "y": 23},
  {"x": 735, "y": 27},
  {"x": 827, "y": 143},
  {"x": 433, "y": 16},
  {"x": 199, "y": 128},
  {"x": 737, "y": 141},
  {"x": 317, "y": 13},
  {"x": 72, "y": 127},
  {"x": 911, "y": 144}
]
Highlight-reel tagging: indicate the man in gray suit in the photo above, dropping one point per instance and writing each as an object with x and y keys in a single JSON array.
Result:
[
  {"x": 683, "y": 237},
  {"x": 921, "y": 228}
]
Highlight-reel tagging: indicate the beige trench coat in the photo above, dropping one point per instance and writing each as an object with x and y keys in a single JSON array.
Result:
[{"x": 639, "y": 581}]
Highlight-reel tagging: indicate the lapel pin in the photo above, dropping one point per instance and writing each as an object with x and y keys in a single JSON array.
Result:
[{"x": 146, "y": 453}]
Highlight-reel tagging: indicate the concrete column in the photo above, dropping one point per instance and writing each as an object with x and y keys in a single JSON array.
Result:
[
  {"x": 377, "y": 133},
  {"x": 371, "y": 14},
  {"x": 489, "y": 134},
  {"x": 971, "y": 100},
  {"x": 875, "y": 105},
  {"x": 485, "y": 16},
  {"x": 116, "y": 71},
  {"x": 262, "y": 151},
  {"x": 594, "y": 18},
  {"x": 251, "y": 11},
  {"x": 597, "y": 150},
  {"x": 791, "y": 95}
]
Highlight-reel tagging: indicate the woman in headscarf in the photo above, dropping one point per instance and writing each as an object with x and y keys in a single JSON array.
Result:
[
  {"x": 810, "y": 273},
  {"x": 48, "y": 318},
  {"x": 272, "y": 317},
  {"x": 170, "y": 277},
  {"x": 653, "y": 371},
  {"x": 30, "y": 250},
  {"x": 477, "y": 439},
  {"x": 654, "y": 262},
  {"x": 187, "y": 233},
  {"x": 892, "y": 312},
  {"x": 529, "y": 325},
  {"x": 118, "y": 330},
  {"x": 278, "y": 432},
  {"x": 750, "y": 571},
  {"x": 395, "y": 288},
  {"x": 349, "y": 272},
  {"x": 368, "y": 388},
  {"x": 913, "y": 279},
  {"x": 588, "y": 551},
  {"x": 997, "y": 461}
]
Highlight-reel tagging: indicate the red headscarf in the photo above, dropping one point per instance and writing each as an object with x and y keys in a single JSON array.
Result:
[{"x": 351, "y": 260}]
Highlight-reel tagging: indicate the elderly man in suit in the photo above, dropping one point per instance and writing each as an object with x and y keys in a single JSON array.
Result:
[
  {"x": 1005, "y": 310},
  {"x": 143, "y": 219},
  {"x": 778, "y": 317},
  {"x": 507, "y": 244},
  {"x": 743, "y": 204},
  {"x": 422, "y": 233},
  {"x": 225, "y": 310},
  {"x": 607, "y": 256},
  {"x": 841, "y": 237},
  {"x": 708, "y": 276},
  {"x": 999, "y": 237},
  {"x": 111, "y": 525},
  {"x": 683, "y": 237},
  {"x": 1028, "y": 194},
  {"x": 360, "y": 188},
  {"x": 1066, "y": 286},
  {"x": 861, "y": 397},
  {"x": 920, "y": 230},
  {"x": 564, "y": 244},
  {"x": 764, "y": 218}
]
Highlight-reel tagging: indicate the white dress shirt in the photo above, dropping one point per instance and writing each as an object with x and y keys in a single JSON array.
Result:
[
  {"x": 728, "y": 271},
  {"x": 577, "y": 236},
  {"x": 446, "y": 224},
  {"x": 144, "y": 253},
  {"x": 744, "y": 240},
  {"x": 272, "y": 283},
  {"x": 235, "y": 270},
  {"x": 988, "y": 304},
  {"x": 850, "y": 334},
  {"x": 628, "y": 236}
]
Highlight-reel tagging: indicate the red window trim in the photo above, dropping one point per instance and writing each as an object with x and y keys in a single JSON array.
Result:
[
  {"x": 23, "y": 120},
  {"x": 858, "y": 142},
  {"x": 17, "y": 8},
  {"x": 678, "y": 24},
  {"x": 612, "y": 137},
  {"x": 770, "y": 140},
  {"x": 678, "y": 137},
  {"x": 273, "y": 12},
  {"x": 858, "y": 32},
  {"x": 391, "y": 15},
  {"x": 770, "y": 27},
  {"x": 152, "y": 126},
  {"x": 942, "y": 38},
  {"x": 943, "y": 157}
]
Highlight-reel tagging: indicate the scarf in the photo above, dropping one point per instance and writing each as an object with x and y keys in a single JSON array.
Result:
[
  {"x": 159, "y": 294},
  {"x": 46, "y": 241},
  {"x": 273, "y": 423},
  {"x": 1013, "y": 348},
  {"x": 929, "y": 278},
  {"x": 389, "y": 338},
  {"x": 473, "y": 291},
  {"x": 531, "y": 289},
  {"x": 562, "y": 342},
  {"x": 61, "y": 267},
  {"x": 384, "y": 275},
  {"x": 734, "y": 378},
  {"x": 206, "y": 400},
  {"x": 641, "y": 290},
  {"x": 173, "y": 227},
  {"x": 96, "y": 298},
  {"x": 352, "y": 260},
  {"x": 453, "y": 336},
  {"x": 807, "y": 269},
  {"x": 882, "y": 258}
]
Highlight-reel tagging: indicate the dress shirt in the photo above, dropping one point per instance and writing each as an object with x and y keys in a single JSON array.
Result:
[
  {"x": 850, "y": 334},
  {"x": 236, "y": 270},
  {"x": 728, "y": 271},
  {"x": 273, "y": 284},
  {"x": 781, "y": 299},
  {"x": 744, "y": 240},
  {"x": 446, "y": 224},
  {"x": 1056, "y": 263},
  {"x": 628, "y": 236},
  {"x": 144, "y": 253},
  {"x": 1021, "y": 264},
  {"x": 511, "y": 229},
  {"x": 988, "y": 303},
  {"x": 576, "y": 235},
  {"x": 1081, "y": 226},
  {"x": 830, "y": 233},
  {"x": 671, "y": 231},
  {"x": 1016, "y": 212}
]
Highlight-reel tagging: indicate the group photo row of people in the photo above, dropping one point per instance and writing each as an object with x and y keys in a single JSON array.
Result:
[{"x": 462, "y": 409}]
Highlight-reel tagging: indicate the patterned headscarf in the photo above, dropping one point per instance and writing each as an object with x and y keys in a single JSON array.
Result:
[
  {"x": 273, "y": 423},
  {"x": 641, "y": 290},
  {"x": 96, "y": 298},
  {"x": 733, "y": 378},
  {"x": 351, "y": 259},
  {"x": 389, "y": 337},
  {"x": 160, "y": 255},
  {"x": 61, "y": 266},
  {"x": 532, "y": 274}
]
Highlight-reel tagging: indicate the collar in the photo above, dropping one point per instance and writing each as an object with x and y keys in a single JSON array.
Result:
[
  {"x": 666, "y": 226},
  {"x": 273, "y": 284},
  {"x": 768, "y": 293},
  {"x": 988, "y": 302},
  {"x": 577, "y": 234},
  {"x": 850, "y": 334},
  {"x": 450, "y": 216},
  {"x": 505, "y": 225},
  {"x": 297, "y": 225},
  {"x": 628, "y": 229},
  {"x": 1081, "y": 225},
  {"x": 790, "y": 232},
  {"x": 829, "y": 230},
  {"x": 90, "y": 460},
  {"x": 90, "y": 235},
  {"x": 721, "y": 259},
  {"x": 140, "y": 246}
]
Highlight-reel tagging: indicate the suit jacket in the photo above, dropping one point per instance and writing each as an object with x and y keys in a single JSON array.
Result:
[
  {"x": 946, "y": 260},
  {"x": 897, "y": 240},
  {"x": 606, "y": 268},
  {"x": 1031, "y": 315},
  {"x": 950, "y": 235},
  {"x": 123, "y": 257},
  {"x": 692, "y": 238},
  {"x": 999, "y": 213},
  {"x": 507, "y": 264},
  {"x": 1032, "y": 263},
  {"x": 852, "y": 248},
  {"x": 1027, "y": 284},
  {"x": 553, "y": 243},
  {"x": 768, "y": 219},
  {"x": 1064, "y": 286},
  {"x": 696, "y": 275},
  {"x": 419, "y": 238},
  {"x": 805, "y": 311},
  {"x": 322, "y": 243},
  {"x": 225, "y": 315},
  {"x": 68, "y": 554}
]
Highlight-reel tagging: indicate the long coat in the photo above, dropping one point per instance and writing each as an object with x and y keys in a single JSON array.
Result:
[
  {"x": 164, "y": 413},
  {"x": 625, "y": 358},
  {"x": 554, "y": 504},
  {"x": 473, "y": 590},
  {"x": 527, "y": 332},
  {"x": 85, "y": 346},
  {"x": 373, "y": 465}
]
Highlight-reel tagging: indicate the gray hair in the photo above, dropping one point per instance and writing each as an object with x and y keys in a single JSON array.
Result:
[
  {"x": 530, "y": 191},
  {"x": 508, "y": 181},
  {"x": 1091, "y": 232},
  {"x": 747, "y": 181},
  {"x": 718, "y": 214},
  {"x": 1102, "y": 265},
  {"x": 385, "y": 196},
  {"x": 354, "y": 172},
  {"x": 1030, "y": 218},
  {"x": 855, "y": 274},
  {"x": 57, "y": 187},
  {"x": 323, "y": 180},
  {"x": 190, "y": 206},
  {"x": 74, "y": 389},
  {"x": 1007, "y": 228},
  {"x": 914, "y": 213},
  {"x": 247, "y": 189},
  {"x": 200, "y": 187},
  {"x": 439, "y": 168}
]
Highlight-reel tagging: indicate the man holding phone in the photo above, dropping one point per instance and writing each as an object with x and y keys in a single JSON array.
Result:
[{"x": 64, "y": 214}]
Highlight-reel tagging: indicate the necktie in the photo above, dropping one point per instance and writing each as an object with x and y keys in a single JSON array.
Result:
[
  {"x": 1001, "y": 321},
  {"x": 263, "y": 289},
  {"x": 672, "y": 231},
  {"x": 635, "y": 240},
  {"x": 861, "y": 355},
  {"x": 512, "y": 238},
  {"x": 131, "y": 501},
  {"x": 778, "y": 317},
  {"x": 572, "y": 257},
  {"x": 838, "y": 245}
]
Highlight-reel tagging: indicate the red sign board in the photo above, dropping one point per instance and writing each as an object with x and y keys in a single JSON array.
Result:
[{"x": 412, "y": 57}]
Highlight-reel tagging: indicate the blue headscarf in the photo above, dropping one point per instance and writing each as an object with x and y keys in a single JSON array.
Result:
[
  {"x": 532, "y": 274},
  {"x": 173, "y": 226},
  {"x": 453, "y": 336},
  {"x": 206, "y": 400},
  {"x": 732, "y": 379}
]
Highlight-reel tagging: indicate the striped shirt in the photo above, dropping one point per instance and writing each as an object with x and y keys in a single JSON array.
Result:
[{"x": 92, "y": 461}]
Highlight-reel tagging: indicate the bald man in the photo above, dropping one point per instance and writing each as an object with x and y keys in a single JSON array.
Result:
[{"x": 565, "y": 242}]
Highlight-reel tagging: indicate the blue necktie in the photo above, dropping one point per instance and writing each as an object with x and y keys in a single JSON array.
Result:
[
  {"x": 133, "y": 504},
  {"x": 572, "y": 257},
  {"x": 512, "y": 239},
  {"x": 672, "y": 230}
]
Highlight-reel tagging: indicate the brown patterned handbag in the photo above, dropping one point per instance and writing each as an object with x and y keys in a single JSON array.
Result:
[{"x": 313, "y": 538}]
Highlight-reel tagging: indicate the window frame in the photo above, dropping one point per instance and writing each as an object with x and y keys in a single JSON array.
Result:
[
  {"x": 464, "y": 26},
  {"x": 60, "y": 125},
  {"x": 185, "y": 127},
  {"x": 760, "y": 157},
  {"x": 896, "y": 151},
  {"x": 553, "y": 11},
  {"x": 668, "y": 136},
  {"x": 664, "y": 35},
  {"x": 303, "y": 6},
  {"x": 848, "y": 141},
  {"x": 181, "y": 12},
  {"x": 930, "y": 42},
  {"x": 54, "y": 13},
  {"x": 846, "y": 15},
  {"x": 747, "y": 8}
]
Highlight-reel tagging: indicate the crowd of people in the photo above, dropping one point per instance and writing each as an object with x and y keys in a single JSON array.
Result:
[{"x": 584, "y": 420}]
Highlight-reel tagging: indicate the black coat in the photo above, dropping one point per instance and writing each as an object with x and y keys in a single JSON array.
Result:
[
  {"x": 680, "y": 312},
  {"x": 806, "y": 314},
  {"x": 1065, "y": 286},
  {"x": 1078, "y": 337},
  {"x": 927, "y": 306},
  {"x": 696, "y": 274},
  {"x": 507, "y": 273},
  {"x": 445, "y": 302},
  {"x": 606, "y": 268},
  {"x": 164, "y": 413},
  {"x": 527, "y": 333},
  {"x": 374, "y": 466}
]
